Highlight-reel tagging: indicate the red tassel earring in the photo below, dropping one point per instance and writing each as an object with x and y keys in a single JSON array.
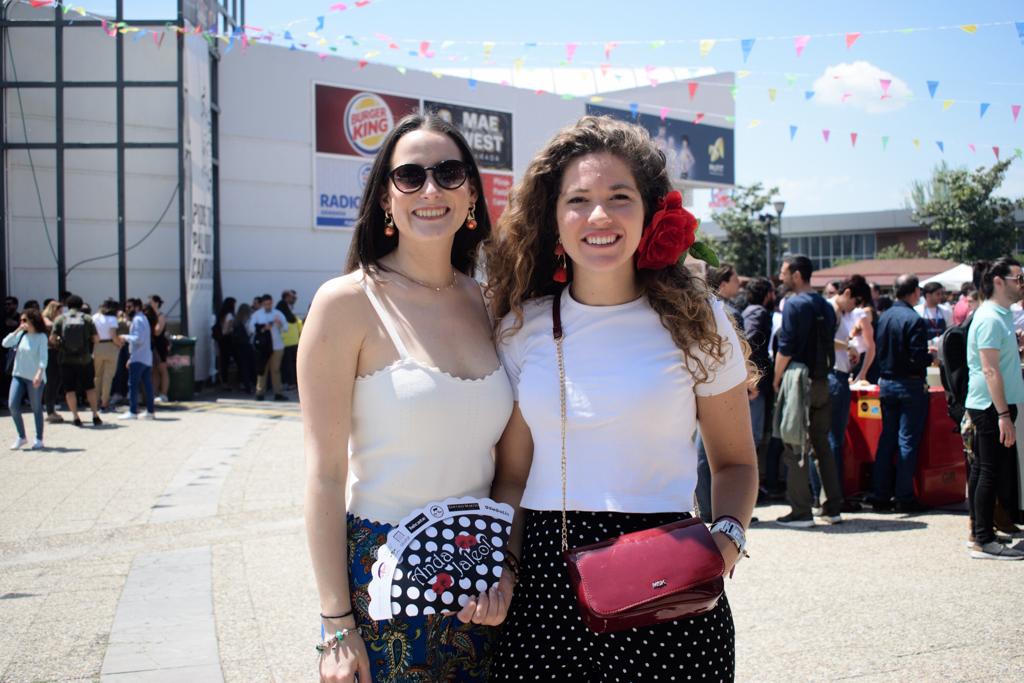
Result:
[
  {"x": 471, "y": 219},
  {"x": 562, "y": 270},
  {"x": 389, "y": 224}
]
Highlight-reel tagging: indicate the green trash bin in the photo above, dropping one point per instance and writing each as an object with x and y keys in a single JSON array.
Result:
[{"x": 181, "y": 369}]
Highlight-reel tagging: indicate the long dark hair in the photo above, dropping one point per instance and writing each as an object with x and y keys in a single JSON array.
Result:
[
  {"x": 227, "y": 306},
  {"x": 369, "y": 244},
  {"x": 286, "y": 310},
  {"x": 35, "y": 319}
]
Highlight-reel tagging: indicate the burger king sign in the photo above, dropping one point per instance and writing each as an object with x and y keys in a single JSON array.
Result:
[{"x": 355, "y": 123}]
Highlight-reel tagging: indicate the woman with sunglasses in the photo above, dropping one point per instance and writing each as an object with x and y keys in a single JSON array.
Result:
[
  {"x": 403, "y": 399},
  {"x": 28, "y": 375},
  {"x": 616, "y": 352}
]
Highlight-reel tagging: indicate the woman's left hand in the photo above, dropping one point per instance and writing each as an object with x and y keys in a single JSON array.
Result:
[
  {"x": 37, "y": 381},
  {"x": 491, "y": 607},
  {"x": 730, "y": 555}
]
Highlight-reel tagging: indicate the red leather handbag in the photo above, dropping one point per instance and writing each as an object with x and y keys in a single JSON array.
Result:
[{"x": 647, "y": 577}]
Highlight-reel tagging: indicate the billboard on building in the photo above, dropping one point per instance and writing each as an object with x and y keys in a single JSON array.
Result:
[
  {"x": 697, "y": 153},
  {"x": 340, "y": 183},
  {"x": 355, "y": 122},
  {"x": 488, "y": 132}
]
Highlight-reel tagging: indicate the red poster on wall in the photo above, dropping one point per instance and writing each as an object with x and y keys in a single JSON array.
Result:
[
  {"x": 355, "y": 122},
  {"x": 497, "y": 187}
]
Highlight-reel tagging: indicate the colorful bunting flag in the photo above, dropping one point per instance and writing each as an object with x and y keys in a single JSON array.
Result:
[
  {"x": 969, "y": 28},
  {"x": 808, "y": 94},
  {"x": 1018, "y": 152},
  {"x": 970, "y": 146},
  {"x": 608, "y": 47},
  {"x": 853, "y": 139},
  {"x": 747, "y": 44},
  {"x": 825, "y": 133},
  {"x": 790, "y": 80},
  {"x": 946, "y": 104},
  {"x": 596, "y": 98},
  {"x": 771, "y": 94},
  {"x": 742, "y": 73},
  {"x": 655, "y": 44},
  {"x": 663, "y": 113},
  {"x": 800, "y": 42},
  {"x": 1020, "y": 31},
  {"x": 995, "y": 150},
  {"x": 733, "y": 90},
  {"x": 885, "y": 142},
  {"x": 885, "y": 83},
  {"x": 754, "y": 123},
  {"x": 699, "y": 117},
  {"x": 705, "y": 47},
  {"x": 942, "y": 147},
  {"x": 1015, "y": 108},
  {"x": 917, "y": 143},
  {"x": 792, "y": 133},
  {"x": 692, "y": 87},
  {"x": 634, "y": 109},
  {"x": 851, "y": 38},
  {"x": 932, "y": 87},
  {"x": 471, "y": 83},
  {"x": 319, "y": 24},
  {"x": 570, "y": 50},
  {"x": 984, "y": 108}
]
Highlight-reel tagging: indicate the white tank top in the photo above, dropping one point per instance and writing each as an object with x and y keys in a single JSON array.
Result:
[{"x": 420, "y": 434}]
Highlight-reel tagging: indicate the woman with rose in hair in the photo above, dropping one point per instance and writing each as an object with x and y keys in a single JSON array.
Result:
[{"x": 649, "y": 354}]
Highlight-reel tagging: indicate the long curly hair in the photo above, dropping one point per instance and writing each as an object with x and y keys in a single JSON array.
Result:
[
  {"x": 370, "y": 244},
  {"x": 520, "y": 259}
]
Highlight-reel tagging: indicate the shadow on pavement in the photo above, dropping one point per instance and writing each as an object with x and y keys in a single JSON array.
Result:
[{"x": 850, "y": 526}]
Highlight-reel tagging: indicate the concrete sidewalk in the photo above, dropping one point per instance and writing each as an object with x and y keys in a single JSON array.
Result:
[{"x": 174, "y": 550}]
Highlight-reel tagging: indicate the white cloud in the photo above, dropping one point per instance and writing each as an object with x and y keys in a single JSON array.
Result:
[{"x": 859, "y": 85}]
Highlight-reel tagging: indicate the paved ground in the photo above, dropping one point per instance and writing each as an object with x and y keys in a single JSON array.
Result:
[{"x": 173, "y": 551}]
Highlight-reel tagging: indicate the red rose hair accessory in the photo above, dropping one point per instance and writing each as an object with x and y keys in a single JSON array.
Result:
[{"x": 670, "y": 234}]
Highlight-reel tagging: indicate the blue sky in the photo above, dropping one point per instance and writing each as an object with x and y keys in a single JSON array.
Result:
[{"x": 813, "y": 176}]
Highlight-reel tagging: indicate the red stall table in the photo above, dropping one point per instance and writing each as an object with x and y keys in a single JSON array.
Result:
[{"x": 940, "y": 477}]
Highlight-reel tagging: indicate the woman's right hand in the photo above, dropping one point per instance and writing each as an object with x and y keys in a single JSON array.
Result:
[{"x": 346, "y": 663}]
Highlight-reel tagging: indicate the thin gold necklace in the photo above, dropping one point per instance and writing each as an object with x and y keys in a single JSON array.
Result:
[{"x": 450, "y": 285}]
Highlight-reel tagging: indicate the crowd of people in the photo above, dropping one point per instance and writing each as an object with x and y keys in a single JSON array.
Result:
[
  {"x": 61, "y": 352},
  {"x": 810, "y": 349}
]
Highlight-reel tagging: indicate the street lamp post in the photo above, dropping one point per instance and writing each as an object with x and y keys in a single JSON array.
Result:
[
  {"x": 779, "y": 205},
  {"x": 767, "y": 220}
]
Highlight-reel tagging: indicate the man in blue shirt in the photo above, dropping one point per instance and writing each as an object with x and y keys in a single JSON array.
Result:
[
  {"x": 994, "y": 387},
  {"x": 903, "y": 359},
  {"x": 799, "y": 346}
]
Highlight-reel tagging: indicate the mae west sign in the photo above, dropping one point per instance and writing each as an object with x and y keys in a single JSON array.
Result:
[
  {"x": 488, "y": 132},
  {"x": 356, "y": 122}
]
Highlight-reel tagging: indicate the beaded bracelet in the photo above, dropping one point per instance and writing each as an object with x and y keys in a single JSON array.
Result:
[
  {"x": 334, "y": 641},
  {"x": 512, "y": 562}
]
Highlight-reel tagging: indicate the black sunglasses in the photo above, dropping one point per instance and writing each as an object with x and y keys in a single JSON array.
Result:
[{"x": 450, "y": 175}]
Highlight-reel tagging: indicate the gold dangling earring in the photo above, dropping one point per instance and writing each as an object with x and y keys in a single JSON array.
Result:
[
  {"x": 389, "y": 224},
  {"x": 471, "y": 218}
]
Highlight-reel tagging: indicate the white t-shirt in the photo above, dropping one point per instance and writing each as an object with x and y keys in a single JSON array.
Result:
[
  {"x": 261, "y": 317},
  {"x": 846, "y": 322},
  {"x": 106, "y": 326},
  {"x": 631, "y": 405},
  {"x": 858, "y": 341}
]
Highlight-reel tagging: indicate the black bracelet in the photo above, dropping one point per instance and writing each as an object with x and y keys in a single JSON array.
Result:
[
  {"x": 340, "y": 616},
  {"x": 1003, "y": 414}
]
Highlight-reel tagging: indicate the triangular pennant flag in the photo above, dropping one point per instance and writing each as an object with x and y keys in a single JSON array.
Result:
[
  {"x": 825, "y": 133},
  {"x": 596, "y": 98},
  {"x": 932, "y": 87},
  {"x": 885, "y": 83},
  {"x": 885, "y": 142},
  {"x": 984, "y": 108},
  {"x": 995, "y": 150},
  {"x": 362, "y": 62},
  {"x": 699, "y": 117},
  {"x": 790, "y": 80},
  {"x": 800, "y": 42},
  {"x": 1018, "y": 152},
  {"x": 692, "y": 87},
  {"x": 655, "y": 44},
  {"x": 942, "y": 147},
  {"x": 425, "y": 49},
  {"x": 772, "y": 92},
  {"x": 851, "y": 38},
  {"x": 570, "y": 50},
  {"x": 969, "y": 28},
  {"x": 471, "y": 83},
  {"x": 792, "y": 133},
  {"x": 608, "y": 47},
  {"x": 946, "y": 104},
  {"x": 755, "y": 123},
  {"x": 970, "y": 146},
  {"x": 742, "y": 73},
  {"x": 808, "y": 94},
  {"x": 1015, "y": 108},
  {"x": 319, "y": 24},
  {"x": 853, "y": 139},
  {"x": 733, "y": 90},
  {"x": 288, "y": 35},
  {"x": 705, "y": 47},
  {"x": 1020, "y": 31},
  {"x": 747, "y": 44},
  {"x": 917, "y": 143},
  {"x": 663, "y": 113},
  {"x": 634, "y": 109}
]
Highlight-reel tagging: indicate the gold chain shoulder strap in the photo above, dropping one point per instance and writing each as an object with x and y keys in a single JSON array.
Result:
[{"x": 556, "y": 331}]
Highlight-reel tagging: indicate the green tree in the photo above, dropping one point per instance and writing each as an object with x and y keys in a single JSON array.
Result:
[
  {"x": 894, "y": 251},
  {"x": 744, "y": 242},
  {"x": 965, "y": 220}
]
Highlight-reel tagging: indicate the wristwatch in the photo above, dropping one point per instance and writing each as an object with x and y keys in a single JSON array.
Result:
[{"x": 732, "y": 530}]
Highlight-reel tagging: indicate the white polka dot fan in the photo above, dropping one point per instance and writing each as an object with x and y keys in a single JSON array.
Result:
[{"x": 439, "y": 557}]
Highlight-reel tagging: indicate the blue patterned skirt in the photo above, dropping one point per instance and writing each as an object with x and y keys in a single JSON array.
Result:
[{"x": 411, "y": 649}]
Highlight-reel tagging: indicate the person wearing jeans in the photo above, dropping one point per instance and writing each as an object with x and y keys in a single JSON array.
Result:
[
  {"x": 140, "y": 362},
  {"x": 994, "y": 387},
  {"x": 903, "y": 360},
  {"x": 28, "y": 377},
  {"x": 269, "y": 320}
]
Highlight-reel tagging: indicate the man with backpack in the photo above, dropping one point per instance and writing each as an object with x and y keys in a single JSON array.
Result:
[
  {"x": 994, "y": 388},
  {"x": 74, "y": 335},
  {"x": 803, "y": 410},
  {"x": 903, "y": 359}
]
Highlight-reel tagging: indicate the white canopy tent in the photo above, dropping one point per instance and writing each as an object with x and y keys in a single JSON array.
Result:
[{"x": 954, "y": 277}]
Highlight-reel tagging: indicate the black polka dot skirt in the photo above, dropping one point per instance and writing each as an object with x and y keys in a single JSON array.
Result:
[{"x": 544, "y": 637}]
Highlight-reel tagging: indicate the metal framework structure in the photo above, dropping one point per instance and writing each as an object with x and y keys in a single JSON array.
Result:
[{"x": 231, "y": 15}]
